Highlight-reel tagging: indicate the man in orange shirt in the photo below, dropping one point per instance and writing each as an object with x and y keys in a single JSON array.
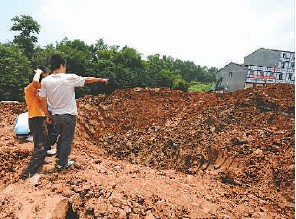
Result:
[{"x": 37, "y": 120}]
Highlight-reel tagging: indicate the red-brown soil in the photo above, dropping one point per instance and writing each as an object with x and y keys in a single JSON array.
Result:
[{"x": 158, "y": 153}]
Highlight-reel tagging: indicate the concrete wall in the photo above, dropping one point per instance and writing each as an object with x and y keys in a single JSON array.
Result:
[
  {"x": 234, "y": 77},
  {"x": 263, "y": 57}
]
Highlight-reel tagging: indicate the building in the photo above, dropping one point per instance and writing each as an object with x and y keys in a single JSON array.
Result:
[
  {"x": 268, "y": 66},
  {"x": 232, "y": 77},
  {"x": 264, "y": 66}
]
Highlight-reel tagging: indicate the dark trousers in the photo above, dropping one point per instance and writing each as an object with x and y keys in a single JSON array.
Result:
[
  {"x": 66, "y": 128},
  {"x": 41, "y": 145}
]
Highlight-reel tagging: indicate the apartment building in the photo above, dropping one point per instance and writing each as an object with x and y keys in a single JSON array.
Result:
[
  {"x": 267, "y": 66},
  {"x": 263, "y": 66}
]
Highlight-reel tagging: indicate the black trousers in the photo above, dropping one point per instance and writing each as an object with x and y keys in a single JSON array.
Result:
[
  {"x": 41, "y": 145},
  {"x": 66, "y": 128}
]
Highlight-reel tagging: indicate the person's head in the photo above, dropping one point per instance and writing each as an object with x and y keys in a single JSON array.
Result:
[
  {"x": 45, "y": 72},
  {"x": 56, "y": 61}
]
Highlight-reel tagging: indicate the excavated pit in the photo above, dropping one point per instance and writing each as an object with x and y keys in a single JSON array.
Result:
[{"x": 241, "y": 145}]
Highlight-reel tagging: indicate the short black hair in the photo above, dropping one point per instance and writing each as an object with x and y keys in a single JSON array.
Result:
[{"x": 55, "y": 61}]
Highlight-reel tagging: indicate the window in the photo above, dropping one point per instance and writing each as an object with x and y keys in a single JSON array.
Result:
[
  {"x": 283, "y": 65},
  {"x": 230, "y": 74},
  {"x": 280, "y": 76}
]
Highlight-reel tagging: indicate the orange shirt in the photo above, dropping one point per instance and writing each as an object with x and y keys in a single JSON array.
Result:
[{"x": 32, "y": 101}]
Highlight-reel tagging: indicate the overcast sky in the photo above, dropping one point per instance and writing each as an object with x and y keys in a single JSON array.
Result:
[{"x": 208, "y": 32}]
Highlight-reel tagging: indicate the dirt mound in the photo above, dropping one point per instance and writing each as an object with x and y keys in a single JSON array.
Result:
[{"x": 158, "y": 153}]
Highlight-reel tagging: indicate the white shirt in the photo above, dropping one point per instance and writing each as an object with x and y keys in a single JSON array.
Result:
[{"x": 60, "y": 92}]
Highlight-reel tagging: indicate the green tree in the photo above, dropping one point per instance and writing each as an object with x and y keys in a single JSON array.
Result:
[
  {"x": 129, "y": 58},
  {"x": 27, "y": 38},
  {"x": 14, "y": 70},
  {"x": 179, "y": 83},
  {"x": 164, "y": 78},
  {"x": 42, "y": 55}
]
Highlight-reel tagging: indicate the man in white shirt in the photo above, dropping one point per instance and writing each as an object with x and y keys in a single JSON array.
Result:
[{"x": 59, "y": 89}]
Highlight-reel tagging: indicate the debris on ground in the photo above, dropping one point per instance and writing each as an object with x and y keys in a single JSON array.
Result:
[{"x": 160, "y": 153}]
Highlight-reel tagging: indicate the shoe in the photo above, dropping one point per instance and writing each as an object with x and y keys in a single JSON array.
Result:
[
  {"x": 30, "y": 138},
  {"x": 25, "y": 176},
  {"x": 67, "y": 166},
  {"x": 52, "y": 151},
  {"x": 47, "y": 161}
]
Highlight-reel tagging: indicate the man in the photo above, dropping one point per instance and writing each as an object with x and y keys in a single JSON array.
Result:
[
  {"x": 58, "y": 88},
  {"x": 37, "y": 121}
]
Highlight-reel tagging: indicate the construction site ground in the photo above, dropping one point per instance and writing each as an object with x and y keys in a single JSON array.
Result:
[{"x": 160, "y": 153}]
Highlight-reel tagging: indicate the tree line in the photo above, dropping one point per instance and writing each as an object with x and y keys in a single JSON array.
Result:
[{"x": 124, "y": 66}]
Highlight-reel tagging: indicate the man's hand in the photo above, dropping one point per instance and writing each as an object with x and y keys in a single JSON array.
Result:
[
  {"x": 105, "y": 80},
  {"x": 38, "y": 71},
  {"x": 89, "y": 80},
  {"x": 49, "y": 120},
  {"x": 36, "y": 77}
]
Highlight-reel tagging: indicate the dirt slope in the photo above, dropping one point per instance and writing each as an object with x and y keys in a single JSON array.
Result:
[{"x": 157, "y": 153}]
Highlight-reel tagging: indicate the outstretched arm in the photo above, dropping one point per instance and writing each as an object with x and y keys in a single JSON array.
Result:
[{"x": 90, "y": 80}]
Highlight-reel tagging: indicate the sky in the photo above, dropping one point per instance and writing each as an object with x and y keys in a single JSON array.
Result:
[{"x": 209, "y": 33}]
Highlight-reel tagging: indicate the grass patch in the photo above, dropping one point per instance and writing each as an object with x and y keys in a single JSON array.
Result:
[{"x": 200, "y": 87}]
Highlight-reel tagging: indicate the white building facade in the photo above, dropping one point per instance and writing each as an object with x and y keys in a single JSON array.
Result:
[{"x": 267, "y": 66}]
